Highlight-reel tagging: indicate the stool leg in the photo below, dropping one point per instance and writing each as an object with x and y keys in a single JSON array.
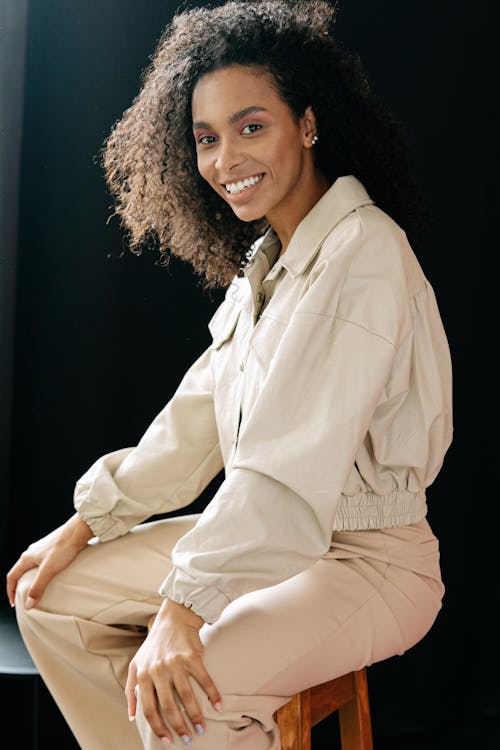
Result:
[
  {"x": 354, "y": 717},
  {"x": 294, "y": 722}
]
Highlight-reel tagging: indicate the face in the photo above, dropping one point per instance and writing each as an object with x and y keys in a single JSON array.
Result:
[{"x": 250, "y": 148}]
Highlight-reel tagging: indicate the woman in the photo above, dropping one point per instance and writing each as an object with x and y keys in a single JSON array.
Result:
[{"x": 325, "y": 395}]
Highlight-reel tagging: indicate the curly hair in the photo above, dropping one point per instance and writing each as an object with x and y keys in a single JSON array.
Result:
[{"x": 149, "y": 158}]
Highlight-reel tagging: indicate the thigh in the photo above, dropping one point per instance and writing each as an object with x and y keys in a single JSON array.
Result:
[
  {"x": 116, "y": 582},
  {"x": 372, "y": 596}
]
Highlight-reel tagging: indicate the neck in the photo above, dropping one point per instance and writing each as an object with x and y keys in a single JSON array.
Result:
[{"x": 285, "y": 219}]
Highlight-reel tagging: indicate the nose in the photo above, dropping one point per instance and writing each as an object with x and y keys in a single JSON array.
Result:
[{"x": 228, "y": 156}]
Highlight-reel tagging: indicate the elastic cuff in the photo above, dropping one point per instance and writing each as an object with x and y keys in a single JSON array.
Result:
[
  {"x": 206, "y": 601},
  {"x": 106, "y": 527}
]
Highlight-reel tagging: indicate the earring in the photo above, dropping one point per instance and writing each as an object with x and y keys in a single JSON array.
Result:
[{"x": 314, "y": 140}]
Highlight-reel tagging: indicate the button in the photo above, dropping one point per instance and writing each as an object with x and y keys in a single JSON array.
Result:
[
  {"x": 260, "y": 297},
  {"x": 242, "y": 366}
]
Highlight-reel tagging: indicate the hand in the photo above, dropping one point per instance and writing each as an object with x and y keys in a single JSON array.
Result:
[
  {"x": 171, "y": 652},
  {"x": 51, "y": 554}
]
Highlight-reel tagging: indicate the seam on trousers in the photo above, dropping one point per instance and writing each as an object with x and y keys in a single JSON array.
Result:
[
  {"x": 387, "y": 605},
  {"x": 393, "y": 617},
  {"x": 139, "y": 600}
]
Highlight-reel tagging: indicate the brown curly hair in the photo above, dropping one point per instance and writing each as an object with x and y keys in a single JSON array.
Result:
[{"x": 149, "y": 158}]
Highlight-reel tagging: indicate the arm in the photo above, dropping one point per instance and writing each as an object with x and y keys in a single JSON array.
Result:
[{"x": 175, "y": 459}]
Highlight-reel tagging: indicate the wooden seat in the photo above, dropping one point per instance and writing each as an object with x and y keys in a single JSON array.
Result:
[{"x": 347, "y": 694}]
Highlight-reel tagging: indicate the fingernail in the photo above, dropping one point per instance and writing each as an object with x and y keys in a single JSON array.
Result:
[
  {"x": 12, "y": 604},
  {"x": 29, "y": 602},
  {"x": 199, "y": 728},
  {"x": 186, "y": 740},
  {"x": 166, "y": 740},
  {"x": 131, "y": 718},
  {"x": 218, "y": 706}
]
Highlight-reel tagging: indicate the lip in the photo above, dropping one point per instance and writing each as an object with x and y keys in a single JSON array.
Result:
[{"x": 245, "y": 194}]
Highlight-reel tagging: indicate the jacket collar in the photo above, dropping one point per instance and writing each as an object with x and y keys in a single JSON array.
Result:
[{"x": 345, "y": 195}]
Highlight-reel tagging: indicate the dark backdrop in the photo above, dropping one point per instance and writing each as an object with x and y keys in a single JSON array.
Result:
[{"x": 100, "y": 338}]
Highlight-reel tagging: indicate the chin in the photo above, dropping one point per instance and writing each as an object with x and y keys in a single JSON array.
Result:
[
  {"x": 248, "y": 219},
  {"x": 247, "y": 214}
]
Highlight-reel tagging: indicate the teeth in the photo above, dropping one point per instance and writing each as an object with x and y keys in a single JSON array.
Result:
[{"x": 236, "y": 187}]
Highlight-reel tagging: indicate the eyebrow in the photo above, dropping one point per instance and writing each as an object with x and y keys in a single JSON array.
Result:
[{"x": 234, "y": 118}]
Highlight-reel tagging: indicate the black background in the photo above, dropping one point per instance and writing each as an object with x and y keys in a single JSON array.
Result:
[{"x": 101, "y": 339}]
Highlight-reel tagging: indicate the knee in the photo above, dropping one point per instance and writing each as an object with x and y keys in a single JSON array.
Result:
[{"x": 22, "y": 591}]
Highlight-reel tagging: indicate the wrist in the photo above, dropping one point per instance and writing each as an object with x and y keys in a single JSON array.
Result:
[
  {"x": 170, "y": 608},
  {"x": 79, "y": 532}
]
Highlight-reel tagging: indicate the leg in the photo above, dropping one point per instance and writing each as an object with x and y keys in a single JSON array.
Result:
[
  {"x": 309, "y": 707},
  {"x": 355, "y": 719},
  {"x": 374, "y": 595},
  {"x": 90, "y": 622},
  {"x": 294, "y": 722}
]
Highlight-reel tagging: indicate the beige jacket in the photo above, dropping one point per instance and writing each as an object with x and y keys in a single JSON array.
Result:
[{"x": 326, "y": 394}]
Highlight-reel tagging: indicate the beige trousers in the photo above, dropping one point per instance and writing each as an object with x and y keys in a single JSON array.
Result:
[{"x": 373, "y": 595}]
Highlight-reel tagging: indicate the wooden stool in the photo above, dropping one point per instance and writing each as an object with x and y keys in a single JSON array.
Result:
[{"x": 347, "y": 694}]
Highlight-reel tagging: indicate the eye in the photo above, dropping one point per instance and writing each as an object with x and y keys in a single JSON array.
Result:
[
  {"x": 253, "y": 127},
  {"x": 206, "y": 139}
]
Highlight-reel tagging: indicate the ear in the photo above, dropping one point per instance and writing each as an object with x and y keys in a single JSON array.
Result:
[{"x": 309, "y": 127}]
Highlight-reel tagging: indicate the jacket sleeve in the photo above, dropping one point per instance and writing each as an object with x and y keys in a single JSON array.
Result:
[
  {"x": 272, "y": 516},
  {"x": 174, "y": 461}
]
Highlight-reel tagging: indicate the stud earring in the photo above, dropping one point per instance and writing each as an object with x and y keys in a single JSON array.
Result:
[{"x": 314, "y": 140}]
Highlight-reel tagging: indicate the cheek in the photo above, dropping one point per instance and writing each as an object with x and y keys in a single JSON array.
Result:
[
  {"x": 285, "y": 160},
  {"x": 203, "y": 167}
]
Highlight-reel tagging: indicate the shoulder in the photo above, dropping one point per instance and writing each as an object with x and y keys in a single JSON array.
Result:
[
  {"x": 372, "y": 242},
  {"x": 385, "y": 245},
  {"x": 380, "y": 272}
]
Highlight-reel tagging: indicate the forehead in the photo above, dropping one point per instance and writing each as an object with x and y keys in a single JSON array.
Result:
[{"x": 223, "y": 92}]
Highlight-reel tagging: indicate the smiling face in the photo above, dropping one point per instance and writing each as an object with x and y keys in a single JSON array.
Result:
[{"x": 252, "y": 150}]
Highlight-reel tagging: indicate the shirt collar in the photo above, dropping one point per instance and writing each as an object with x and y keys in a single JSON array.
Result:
[{"x": 345, "y": 195}]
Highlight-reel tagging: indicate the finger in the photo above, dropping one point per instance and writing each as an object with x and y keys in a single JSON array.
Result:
[
  {"x": 203, "y": 678},
  {"x": 45, "y": 574},
  {"x": 173, "y": 713},
  {"x": 191, "y": 706},
  {"x": 150, "y": 708},
  {"x": 15, "y": 573},
  {"x": 130, "y": 691}
]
